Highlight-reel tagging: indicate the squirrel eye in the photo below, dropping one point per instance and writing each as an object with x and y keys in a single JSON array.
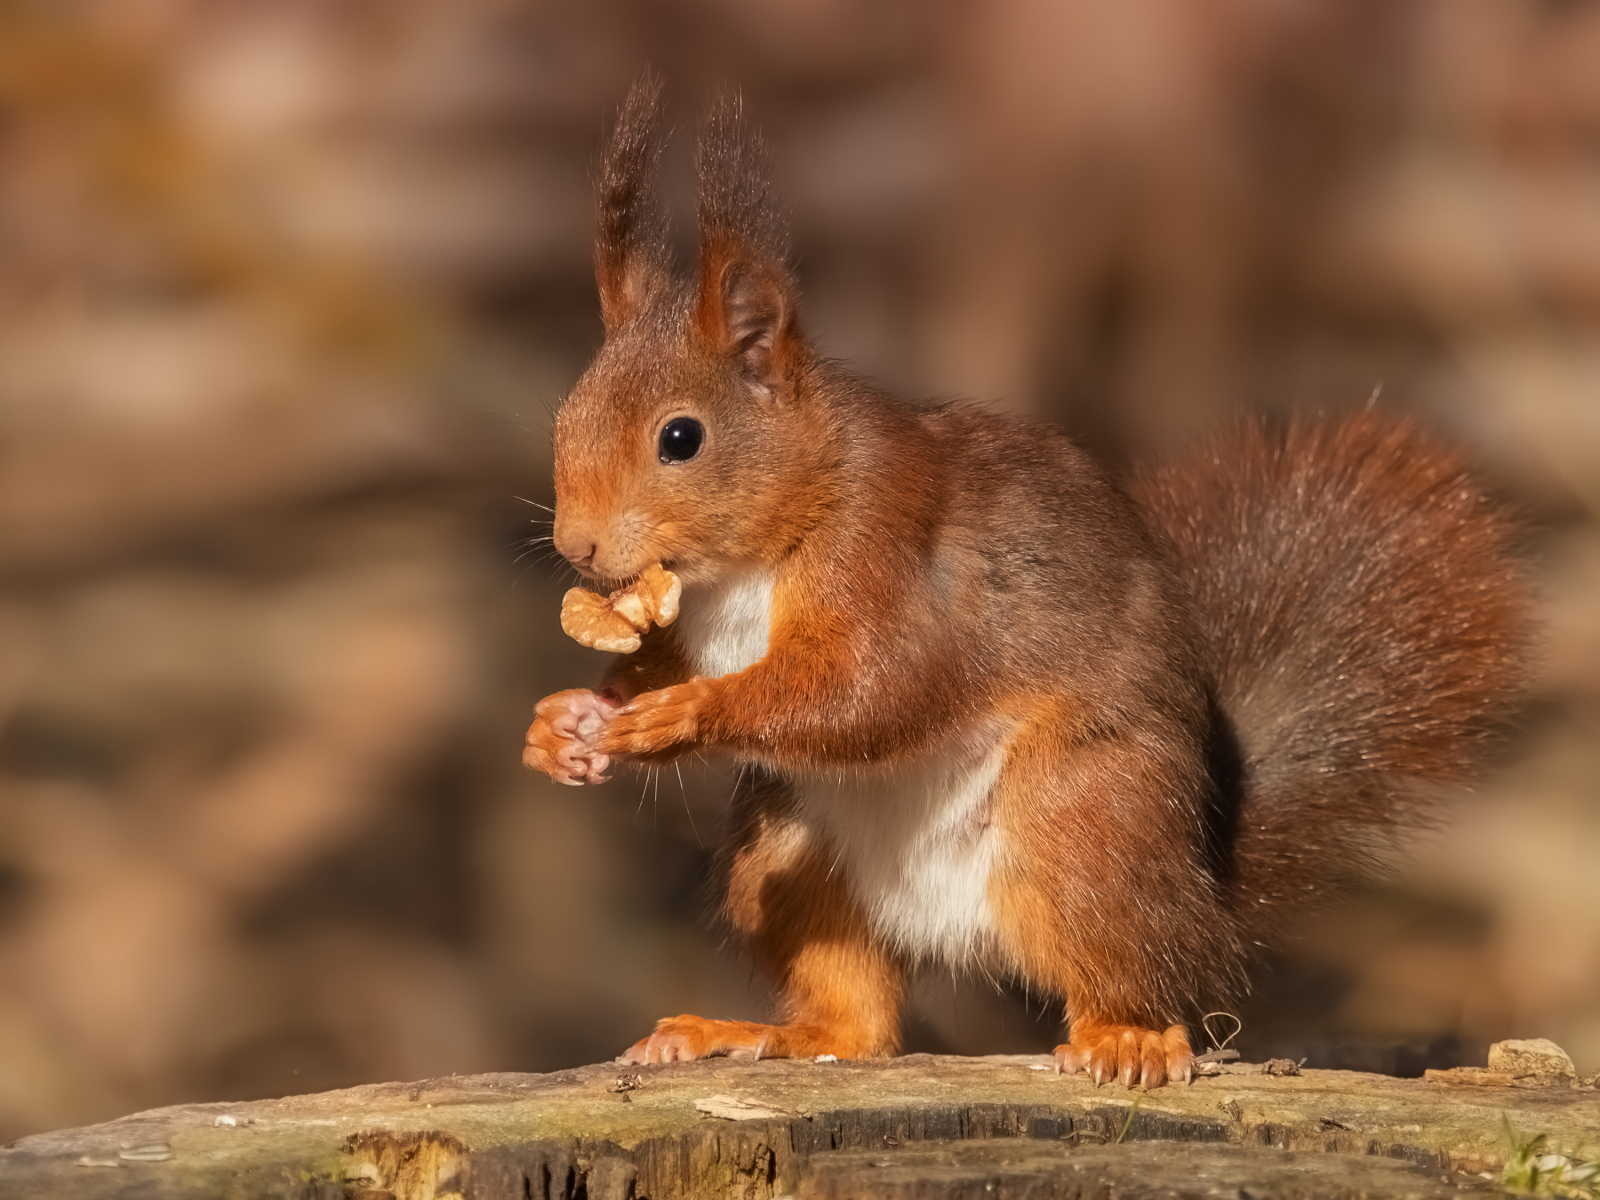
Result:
[{"x": 680, "y": 439}]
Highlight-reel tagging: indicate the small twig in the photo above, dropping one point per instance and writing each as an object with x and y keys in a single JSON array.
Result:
[
  {"x": 1209, "y": 1062},
  {"x": 1205, "y": 1023},
  {"x": 1123, "y": 1132}
]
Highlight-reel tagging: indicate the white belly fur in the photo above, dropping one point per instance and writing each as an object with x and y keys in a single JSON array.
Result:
[
  {"x": 918, "y": 842},
  {"x": 915, "y": 839},
  {"x": 723, "y": 627}
]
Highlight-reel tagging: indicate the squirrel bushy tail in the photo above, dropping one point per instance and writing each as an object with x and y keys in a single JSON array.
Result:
[{"x": 1367, "y": 614}]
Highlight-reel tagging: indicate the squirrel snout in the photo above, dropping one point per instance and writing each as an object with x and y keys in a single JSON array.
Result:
[
  {"x": 604, "y": 545},
  {"x": 577, "y": 547}
]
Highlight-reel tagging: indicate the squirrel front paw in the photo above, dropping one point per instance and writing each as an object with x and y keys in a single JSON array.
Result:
[
  {"x": 563, "y": 739},
  {"x": 656, "y": 722},
  {"x": 1127, "y": 1052}
]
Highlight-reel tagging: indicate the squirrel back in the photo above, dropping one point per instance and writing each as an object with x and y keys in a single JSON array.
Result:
[{"x": 1364, "y": 608}]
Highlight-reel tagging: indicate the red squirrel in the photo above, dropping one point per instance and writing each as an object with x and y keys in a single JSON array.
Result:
[{"x": 996, "y": 709}]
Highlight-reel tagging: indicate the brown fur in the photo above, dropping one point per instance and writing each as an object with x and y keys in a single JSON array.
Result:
[
  {"x": 1365, "y": 613},
  {"x": 630, "y": 249},
  {"x": 1205, "y": 696}
]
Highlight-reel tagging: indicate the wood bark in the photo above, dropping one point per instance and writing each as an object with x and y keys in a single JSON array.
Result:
[{"x": 913, "y": 1127}]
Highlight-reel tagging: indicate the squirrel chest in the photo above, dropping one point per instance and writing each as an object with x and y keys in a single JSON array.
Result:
[
  {"x": 916, "y": 839},
  {"x": 724, "y": 626}
]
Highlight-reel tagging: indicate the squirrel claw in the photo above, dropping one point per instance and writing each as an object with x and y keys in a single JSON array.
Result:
[{"x": 1128, "y": 1053}]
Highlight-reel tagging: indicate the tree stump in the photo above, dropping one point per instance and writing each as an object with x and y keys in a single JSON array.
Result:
[{"x": 913, "y": 1127}]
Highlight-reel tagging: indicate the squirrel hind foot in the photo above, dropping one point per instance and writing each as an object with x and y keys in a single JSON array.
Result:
[
  {"x": 684, "y": 1038},
  {"x": 1127, "y": 1052}
]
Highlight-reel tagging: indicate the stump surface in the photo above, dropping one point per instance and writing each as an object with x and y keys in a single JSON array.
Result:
[{"x": 918, "y": 1126}]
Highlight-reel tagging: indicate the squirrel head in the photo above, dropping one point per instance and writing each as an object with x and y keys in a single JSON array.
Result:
[{"x": 690, "y": 439}]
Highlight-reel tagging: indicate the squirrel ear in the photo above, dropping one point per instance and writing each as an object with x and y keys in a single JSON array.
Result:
[
  {"x": 745, "y": 312},
  {"x": 746, "y": 307},
  {"x": 630, "y": 253}
]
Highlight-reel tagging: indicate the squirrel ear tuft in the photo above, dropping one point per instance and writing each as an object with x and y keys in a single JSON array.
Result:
[
  {"x": 746, "y": 305},
  {"x": 630, "y": 254}
]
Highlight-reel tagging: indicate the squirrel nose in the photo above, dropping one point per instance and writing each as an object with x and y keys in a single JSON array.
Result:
[{"x": 577, "y": 548}]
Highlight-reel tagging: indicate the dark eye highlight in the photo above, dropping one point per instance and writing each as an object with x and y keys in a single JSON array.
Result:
[{"x": 681, "y": 439}]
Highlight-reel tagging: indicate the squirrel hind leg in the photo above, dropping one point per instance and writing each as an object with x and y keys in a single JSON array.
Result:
[
  {"x": 1126, "y": 1052},
  {"x": 788, "y": 897}
]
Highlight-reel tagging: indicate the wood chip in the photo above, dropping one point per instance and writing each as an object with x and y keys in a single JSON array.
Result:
[
  {"x": 1538, "y": 1058},
  {"x": 149, "y": 1152},
  {"x": 1469, "y": 1076},
  {"x": 733, "y": 1108}
]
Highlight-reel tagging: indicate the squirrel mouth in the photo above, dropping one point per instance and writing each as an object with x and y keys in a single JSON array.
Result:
[{"x": 612, "y": 583}]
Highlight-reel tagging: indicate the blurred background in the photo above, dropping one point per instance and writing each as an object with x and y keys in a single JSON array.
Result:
[{"x": 288, "y": 291}]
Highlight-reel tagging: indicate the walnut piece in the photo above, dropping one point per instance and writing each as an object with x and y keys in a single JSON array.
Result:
[
  {"x": 589, "y": 619},
  {"x": 616, "y": 622}
]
